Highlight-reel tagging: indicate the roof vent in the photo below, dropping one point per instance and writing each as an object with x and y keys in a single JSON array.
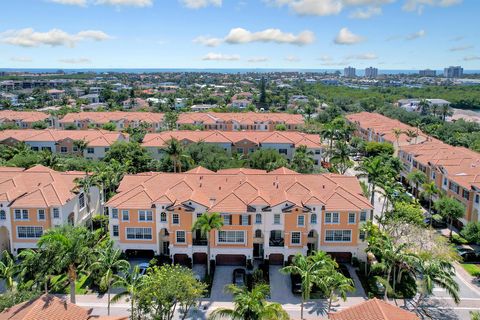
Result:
[{"x": 323, "y": 186}]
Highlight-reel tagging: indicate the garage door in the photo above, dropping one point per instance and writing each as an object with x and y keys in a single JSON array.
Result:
[
  {"x": 231, "y": 260},
  {"x": 341, "y": 257},
  {"x": 200, "y": 258},
  {"x": 181, "y": 259},
  {"x": 276, "y": 259}
]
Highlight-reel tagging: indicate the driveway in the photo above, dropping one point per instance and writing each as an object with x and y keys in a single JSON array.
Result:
[
  {"x": 223, "y": 277},
  {"x": 281, "y": 288}
]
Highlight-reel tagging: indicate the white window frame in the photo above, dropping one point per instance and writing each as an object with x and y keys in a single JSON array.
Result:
[
  {"x": 298, "y": 220},
  {"x": 127, "y": 229},
  {"x": 115, "y": 226},
  {"x": 144, "y": 215},
  {"x": 354, "y": 217},
  {"x": 296, "y": 233},
  {"x": 81, "y": 198},
  {"x": 362, "y": 214},
  {"x": 44, "y": 214},
  {"x": 26, "y": 232},
  {"x": 127, "y": 212},
  {"x": 184, "y": 236},
  {"x": 175, "y": 216},
  {"x": 228, "y": 235},
  {"x": 163, "y": 214},
  {"x": 312, "y": 219},
  {"x": 338, "y": 235},
  {"x": 257, "y": 220},
  {"x": 56, "y": 213},
  {"x": 330, "y": 217},
  {"x": 244, "y": 219},
  {"x": 22, "y": 215},
  {"x": 279, "y": 219},
  {"x": 114, "y": 213}
]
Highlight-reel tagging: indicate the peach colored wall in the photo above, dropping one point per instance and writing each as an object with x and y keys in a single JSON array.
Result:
[
  {"x": 32, "y": 222},
  {"x": 236, "y": 226},
  {"x": 291, "y": 225},
  {"x": 343, "y": 225},
  {"x": 135, "y": 223},
  {"x": 185, "y": 224}
]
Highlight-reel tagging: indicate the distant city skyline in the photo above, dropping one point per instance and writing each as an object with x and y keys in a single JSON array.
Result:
[{"x": 263, "y": 34}]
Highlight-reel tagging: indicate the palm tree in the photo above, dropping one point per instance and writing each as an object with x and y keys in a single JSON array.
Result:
[
  {"x": 108, "y": 262},
  {"x": 81, "y": 145},
  {"x": 340, "y": 157},
  {"x": 206, "y": 223},
  {"x": 416, "y": 178},
  {"x": 435, "y": 272},
  {"x": 411, "y": 134},
  {"x": 130, "y": 283},
  {"x": 397, "y": 133},
  {"x": 429, "y": 190},
  {"x": 37, "y": 263},
  {"x": 445, "y": 111},
  {"x": 73, "y": 246},
  {"x": 8, "y": 270},
  {"x": 374, "y": 170},
  {"x": 310, "y": 269},
  {"x": 335, "y": 282},
  {"x": 450, "y": 209},
  {"x": 302, "y": 161},
  {"x": 328, "y": 133},
  {"x": 176, "y": 153},
  {"x": 85, "y": 184},
  {"x": 251, "y": 305},
  {"x": 474, "y": 315}
]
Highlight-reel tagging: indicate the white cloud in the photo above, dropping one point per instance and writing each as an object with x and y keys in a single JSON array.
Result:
[
  {"x": 325, "y": 58},
  {"x": 208, "y": 41},
  {"x": 81, "y": 3},
  {"x": 198, "y": 4},
  {"x": 132, "y": 3},
  {"x": 258, "y": 59},
  {"x": 345, "y": 36},
  {"x": 75, "y": 60},
  {"x": 324, "y": 7},
  {"x": 240, "y": 35},
  {"x": 220, "y": 57},
  {"x": 28, "y": 37},
  {"x": 471, "y": 58},
  {"x": 457, "y": 38},
  {"x": 292, "y": 58},
  {"x": 363, "y": 56},
  {"x": 416, "y": 35},
  {"x": 461, "y": 48},
  {"x": 366, "y": 13},
  {"x": 419, "y": 5},
  {"x": 21, "y": 59}
]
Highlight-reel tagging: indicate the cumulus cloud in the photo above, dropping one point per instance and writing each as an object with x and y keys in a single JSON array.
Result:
[
  {"x": 366, "y": 13},
  {"x": 21, "y": 59},
  {"x": 461, "y": 48},
  {"x": 240, "y": 35},
  {"x": 416, "y": 35},
  {"x": 325, "y": 58},
  {"x": 419, "y": 5},
  {"x": 83, "y": 3},
  {"x": 258, "y": 59},
  {"x": 471, "y": 58},
  {"x": 198, "y": 4},
  {"x": 28, "y": 37},
  {"x": 208, "y": 41},
  {"x": 292, "y": 58},
  {"x": 362, "y": 56},
  {"x": 220, "y": 57},
  {"x": 75, "y": 60},
  {"x": 347, "y": 37}
]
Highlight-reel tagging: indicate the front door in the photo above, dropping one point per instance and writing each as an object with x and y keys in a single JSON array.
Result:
[
  {"x": 165, "y": 249},
  {"x": 258, "y": 250}
]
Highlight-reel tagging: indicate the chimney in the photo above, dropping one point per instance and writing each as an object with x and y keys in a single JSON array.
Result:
[{"x": 212, "y": 201}]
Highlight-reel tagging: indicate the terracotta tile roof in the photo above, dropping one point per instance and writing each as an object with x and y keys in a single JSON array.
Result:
[
  {"x": 25, "y": 116},
  {"x": 249, "y": 118},
  {"x": 95, "y": 138},
  {"x": 232, "y": 190},
  {"x": 373, "y": 309},
  {"x": 234, "y": 137},
  {"x": 105, "y": 117},
  {"x": 37, "y": 187}
]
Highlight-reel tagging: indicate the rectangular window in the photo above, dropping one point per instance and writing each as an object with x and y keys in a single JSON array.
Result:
[
  {"x": 231, "y": 236},
  {"x": 317, "y": 151},
  {"x": 181, "y": 237},
  {"x": 21, "y": 214},
  {"x": 56, "y": 213},
  {"x": 35, "y": 148},
  {"x": 301, "y": 221},
  {"x": 363, "y": 216},
  {"x": 351, "y": 218},
  {"x": 276, "y": 218},
  {"x": 258, "y": 218},
  {"x": 283, "y": 151},
  {"x": 81, "y": 200},
  {"x": 227, "y": 219},
  {"x": 90, "y": 150},
  {"x": 445, "y": 181},
  {"x": 106, "y": 150},
  {"x": 63, "y": 149},
  {"x": 332, "y": 217},
  {"x": 41, "y": 214},
  {"x": 466, "y": 194},
  {"x": 175, "y": 218},
  {"x": 115, "y": 231},
  {"x": 361, "y": 235},
  {"x": 296, "y": 236},
  {"x": 125, "y": 215},
  {"x": 477, "y": 198},
  {"x": 139, "y": 233},
  {"x": 239, "y": 150},
  {"x": 163, "y": 217},
  {"x": 145, "y": 215},
  {"x": 114, "y": 213},
  {"x": 244, "y": 219},
  {"x": 338, "y": 235},
  {"x": 26, "y": 232}
]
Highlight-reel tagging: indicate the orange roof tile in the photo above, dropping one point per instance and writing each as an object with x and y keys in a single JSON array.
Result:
[
  {"x": 25, "y": 116},
  {"x": 249, "y": 118},
  {"x": 105, "y": 117},
  {"x": 373, "y": 309}
]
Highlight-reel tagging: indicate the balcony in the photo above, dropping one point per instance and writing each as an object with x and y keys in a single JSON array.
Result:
[
  {"x": 276, "y": 242},
  {"x": 199, "y": 242}
]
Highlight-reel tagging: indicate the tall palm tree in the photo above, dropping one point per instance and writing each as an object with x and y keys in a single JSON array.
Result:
[
  {"x": 310, "y": 269},
  {"x": 328, "y": 133},
  {"x": 411, "y": 134},
  {"x": 85, "y": 184},
  {"x": 8, "y": 270},
  {"x": 176, "y": 152},
  {"x": 445, "y": 111},
  {"x": 206, "y": 223},
  {"x": 416, "y": 177},
  {"x": 73, "y": 246},
  {"x": 81, "y": 145},
  {"x": 108, "y": 263},
  {"x": 130, "y": 284},
  {"x": 37, "y": 264},
  {"x": 251, "y": 305},
  {"x": 374, "y": 170},
  {"x": 397, "y": 133},
  {"x": 334, "y": 282},
  {"x": 340, "y": 157},
  {"x": 302, "y": 161},
  {"x": 429, "y": 190}
]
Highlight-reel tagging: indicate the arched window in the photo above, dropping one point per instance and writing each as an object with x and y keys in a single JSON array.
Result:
[
  {"x": 258, "y": 233},
  {"x": 3, "y": 216},
  {"x": 258, "y": 218},
  {"x": 311, "y": 234},
  {"x": 313, "y": 218},
  {"x": 163, "y": 217}
]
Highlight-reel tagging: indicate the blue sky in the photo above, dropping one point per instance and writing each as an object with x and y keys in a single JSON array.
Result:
[{"x": 320, "y": 34}]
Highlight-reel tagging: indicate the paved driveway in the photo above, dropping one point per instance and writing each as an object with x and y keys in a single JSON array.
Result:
[
  {"x": 223, "y": 277},
  {"x": 280, "y": 287}
]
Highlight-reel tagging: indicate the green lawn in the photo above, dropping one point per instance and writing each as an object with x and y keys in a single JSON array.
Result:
[{"x": 473, "y": 269}]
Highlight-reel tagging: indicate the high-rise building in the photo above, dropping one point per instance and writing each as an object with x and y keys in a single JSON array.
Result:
[
  {"x": 453, "y": 72},
  {"x": 427, "y": 73},
  {"x": 349, "y": 72},
  {"x": 371, "y": 72}
]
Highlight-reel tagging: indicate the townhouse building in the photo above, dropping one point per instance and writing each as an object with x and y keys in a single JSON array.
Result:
[
  {"x": 266, "y": 215},
  {"x": 122, "y": 120},
  {"x": 97, "y": 142},
  {"x": 240, "y": 142},
  {"x": 25, "y": 119},
  {"x": 36, "y": 199},
  {"x": 379, "y": 128},
  {"x": 455, "y": 171},
  {"x": 241, "y": 121}
]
